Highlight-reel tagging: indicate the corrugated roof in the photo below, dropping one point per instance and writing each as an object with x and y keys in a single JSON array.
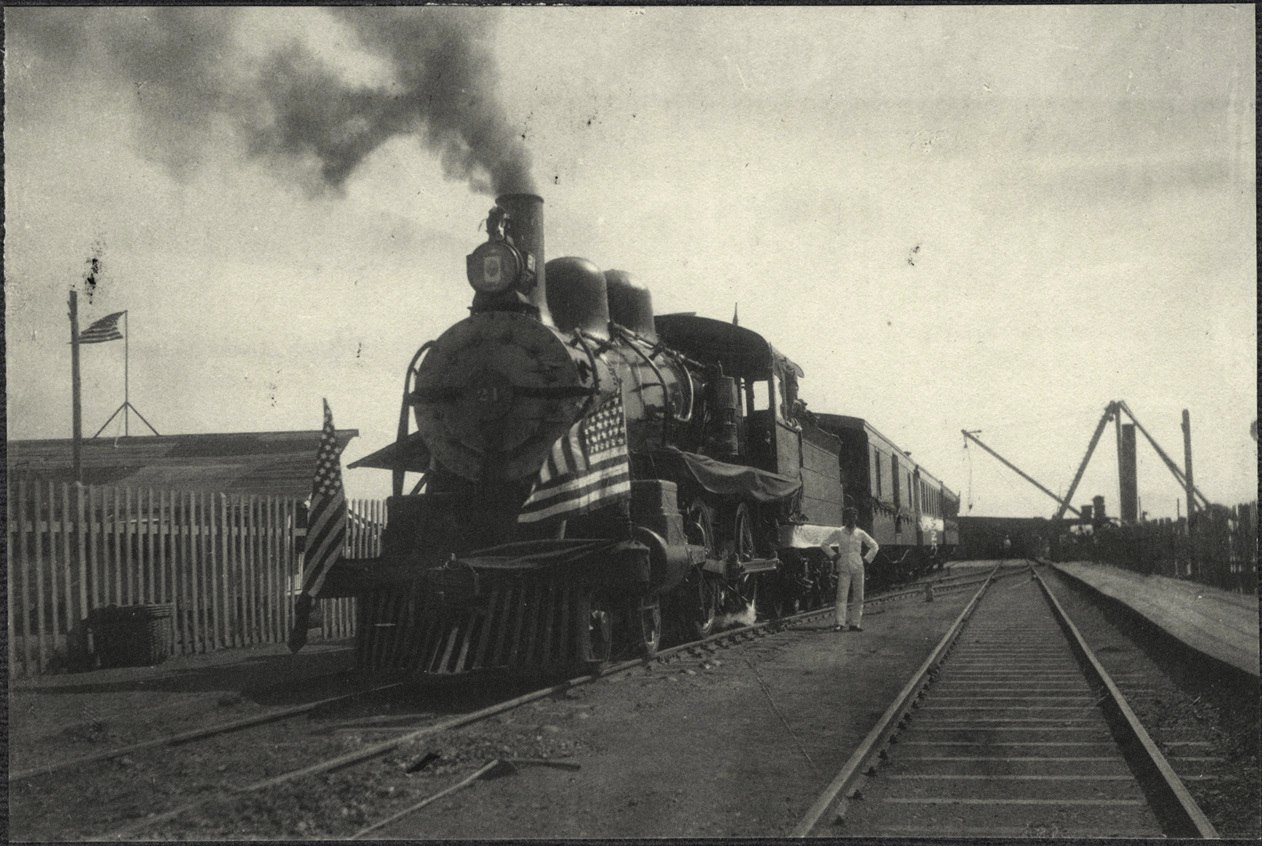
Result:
[{"x": 264, "y": 463}]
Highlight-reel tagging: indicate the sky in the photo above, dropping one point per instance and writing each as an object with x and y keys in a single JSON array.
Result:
[{"x": 985, "y": 218}]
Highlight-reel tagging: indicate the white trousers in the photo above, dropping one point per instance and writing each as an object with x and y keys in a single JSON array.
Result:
[{"x": 849, "y": 583}]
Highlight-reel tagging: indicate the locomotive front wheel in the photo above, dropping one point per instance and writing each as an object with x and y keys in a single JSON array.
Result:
[
  {"x": 704, "y": 593},
  {"x": 746, "y": 594},
  {"x": 742, "y": 532},
  {"x": 708, "y": 595},
  {"x": 600, "y": 634},
  {"x": 595, "y": 629},
  {"x": 740, "y": 527},
  {"x": 650, "y": 619}
]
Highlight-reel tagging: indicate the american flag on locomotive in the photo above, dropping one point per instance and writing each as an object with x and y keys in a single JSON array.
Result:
[{"x": 587, "y": 468}]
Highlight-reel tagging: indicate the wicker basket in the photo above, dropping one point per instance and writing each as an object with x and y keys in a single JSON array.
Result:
[{"x": 132, "y": 635}]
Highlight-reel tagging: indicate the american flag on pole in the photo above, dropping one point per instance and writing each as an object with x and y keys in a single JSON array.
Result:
[
  {"x": 326, "y": 527},
  {"x": 587, "y": 468},
  {"x": 105, "y": 329}
]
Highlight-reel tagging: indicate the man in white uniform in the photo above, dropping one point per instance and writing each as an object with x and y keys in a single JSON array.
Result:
[{"x": 845, "y": 547}]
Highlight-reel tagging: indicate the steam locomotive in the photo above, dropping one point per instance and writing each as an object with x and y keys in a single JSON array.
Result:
[{"x": 714, "y": 488}]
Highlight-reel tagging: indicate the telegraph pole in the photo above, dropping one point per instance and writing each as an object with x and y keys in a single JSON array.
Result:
[
  {"x": 1187, "y": 477},
  {"x": 74, "y": 386}
]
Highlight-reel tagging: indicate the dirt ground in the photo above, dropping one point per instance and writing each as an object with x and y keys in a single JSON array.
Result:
[
  {"x": 74, "y": 714},
  {"x": 733, "y": 742},
  {"x": 736, "y": 743}
]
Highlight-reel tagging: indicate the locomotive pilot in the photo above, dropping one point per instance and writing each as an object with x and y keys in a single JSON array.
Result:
[{"x": 845, "y": 547}]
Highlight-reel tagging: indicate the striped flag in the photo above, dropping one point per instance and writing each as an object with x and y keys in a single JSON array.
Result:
[
  {"x": 105, "y": 329},
  {"x": 326, "y": 527},
  {"x": 587, "y": 468}
]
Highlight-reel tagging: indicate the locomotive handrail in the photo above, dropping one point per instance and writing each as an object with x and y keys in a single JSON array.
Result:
[
  {"x": 692, "y": 392},
  {"x": 413, "y": 368},
  {"x": 591, "y": 358},
  {"x": 630, "y": 338}
]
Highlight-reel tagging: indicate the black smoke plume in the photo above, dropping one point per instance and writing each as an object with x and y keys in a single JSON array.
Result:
[{"x": 291, "y": 108}]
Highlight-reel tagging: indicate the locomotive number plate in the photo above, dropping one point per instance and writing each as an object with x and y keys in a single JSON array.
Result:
[{"x": 490, "y": 395}]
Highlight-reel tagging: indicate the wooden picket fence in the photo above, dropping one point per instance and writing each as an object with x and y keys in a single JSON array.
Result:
[{"x": 229, "y": 564}]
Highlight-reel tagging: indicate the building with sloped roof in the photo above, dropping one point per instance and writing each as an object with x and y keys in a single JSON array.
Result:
[{"x": 261, "y": 463}]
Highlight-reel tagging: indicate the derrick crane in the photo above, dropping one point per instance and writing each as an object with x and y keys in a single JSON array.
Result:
[
  {"x": 1112, "y": 410},
  {"x": 1170, "y": 465},
  {"x": 1064, "y": 503},
  {"x": 1109, "y": 410}
]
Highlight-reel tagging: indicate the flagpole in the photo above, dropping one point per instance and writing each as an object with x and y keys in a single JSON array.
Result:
[
  {"x": 77, "y": 413},
  {"x": 126, "y": 395}
]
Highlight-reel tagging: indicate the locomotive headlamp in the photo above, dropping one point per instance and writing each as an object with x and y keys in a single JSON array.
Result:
[{"x": 494, "y": 267}]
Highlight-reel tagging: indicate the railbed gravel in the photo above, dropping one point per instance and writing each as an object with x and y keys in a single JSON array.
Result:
[
  {"x": 1183, "y": 701},
  {"x": 341, "y": 803}
]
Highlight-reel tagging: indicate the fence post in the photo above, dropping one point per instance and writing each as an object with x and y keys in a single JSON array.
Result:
[
  {"x": 25, "y": 569},
  {"x": 286, "y": 561},
  {"x": 116, "y": 535},
  {"x": 204, "y": 501},
  {"x": 194, "y": 572},
  {"x": 256, "y": 615},
  {"x": 38, "y": 512},
  {"x": 239, "y": 607},
  {"x": 66, "y": 569},
  {"x": 142, "y": 564},
  {"x": 92, "y": 548},
  {"x": 151, "y": 570},
  {"x": 183, "y": 622},
  {"x": 10, "y": 600},
  {"x": 225, "y": 570},
  {"x": 212, "y": 576},
  {"x": 53, "y": 563},
  {"x": 127, "y": 562},
  {"x": 83, "y": 568},
  {"x": 160, "y": 562},
  {"x": 249, "y": 562},
  {"x": 273, "y": 573}
]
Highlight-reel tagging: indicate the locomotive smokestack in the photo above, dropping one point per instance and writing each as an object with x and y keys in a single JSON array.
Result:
[{"x": 526, "y": 213}]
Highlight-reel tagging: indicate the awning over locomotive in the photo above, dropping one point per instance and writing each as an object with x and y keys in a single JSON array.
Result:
[{"x": 721, "y": 477}]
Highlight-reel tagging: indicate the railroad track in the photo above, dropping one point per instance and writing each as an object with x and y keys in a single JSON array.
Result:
[
  {"x": 194, "y": 712},
  {"x": 401, "y": 730},
  {"x": 1011, "y": 728},
  {"x": 337, "y": 733}
]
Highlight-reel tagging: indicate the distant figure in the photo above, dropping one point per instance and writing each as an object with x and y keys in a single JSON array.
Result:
[
  {"x": 1007, "y": 546},
  {"x": 845, "y": 547}
]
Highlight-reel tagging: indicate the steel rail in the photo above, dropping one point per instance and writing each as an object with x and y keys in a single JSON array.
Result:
[
  {"x": 889, "y": 721},
  {"x": 728, "y": 637},
  {"x": 731, "y": 636},
  {"x": 1175, "y": 806},
  {"x": 194, "y": 734},
  {"x": 374, "y": 750},
  {"x": 189, "y": 704}
]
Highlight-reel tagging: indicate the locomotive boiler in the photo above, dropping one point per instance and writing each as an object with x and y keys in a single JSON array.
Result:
[{"x": 589, "y": 477}]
